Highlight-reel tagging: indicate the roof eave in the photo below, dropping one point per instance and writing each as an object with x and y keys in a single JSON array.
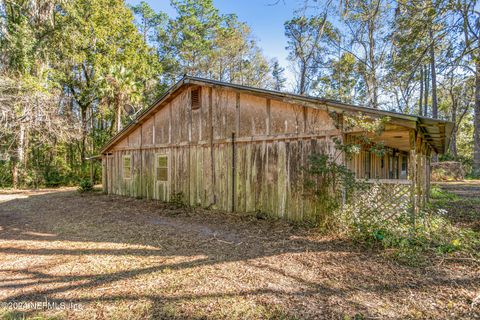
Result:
[{"x": 411, "y": 120}]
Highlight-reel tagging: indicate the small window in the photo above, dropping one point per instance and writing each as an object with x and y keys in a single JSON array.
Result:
[
  {"x": 195, "y": 98},
  {"x": 161, "y": 168},
  {"x": 127, "y": 167}
]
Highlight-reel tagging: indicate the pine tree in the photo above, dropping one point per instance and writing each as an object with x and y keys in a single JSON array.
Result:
[
  {"x": 306, "y": 36},
  {"x": 278, "y": 76}
]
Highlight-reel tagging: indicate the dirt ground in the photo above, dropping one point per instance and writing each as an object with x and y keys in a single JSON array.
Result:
[{"x": 92, "y": 256}]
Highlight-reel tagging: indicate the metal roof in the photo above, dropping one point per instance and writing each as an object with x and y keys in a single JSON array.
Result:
[{"x": 436, "y": 131}]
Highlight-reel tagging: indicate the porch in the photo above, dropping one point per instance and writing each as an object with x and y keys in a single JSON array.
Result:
[{"x": 395, "y": 181}]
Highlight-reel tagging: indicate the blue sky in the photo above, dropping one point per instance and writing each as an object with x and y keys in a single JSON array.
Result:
[{"x": 264, "y": 17}]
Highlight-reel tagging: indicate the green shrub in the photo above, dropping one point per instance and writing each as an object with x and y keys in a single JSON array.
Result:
[
  {"x": 85, "y": 186},
  {"x": 178, "y": 200},
  {"x": 5, "y": 174},
  {"x": 327, "y": 183},
  {"x": 53, "y": 179}
]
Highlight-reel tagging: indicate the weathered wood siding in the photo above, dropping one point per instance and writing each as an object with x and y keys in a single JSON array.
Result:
[
  {"x": 246, "y": 153},
  {"x": 259, "y": 169}
]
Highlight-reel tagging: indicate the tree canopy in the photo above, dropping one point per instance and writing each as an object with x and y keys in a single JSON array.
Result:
[
  {"x": 414, "y": 56},
  {"x": 69, "y": 69}
]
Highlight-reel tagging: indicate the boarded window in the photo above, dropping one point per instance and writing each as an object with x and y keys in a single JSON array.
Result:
[
  {"x": 195, "y": 98},
  {"x": 161, "y": 168},
  {"x": 127, "y": 167}
]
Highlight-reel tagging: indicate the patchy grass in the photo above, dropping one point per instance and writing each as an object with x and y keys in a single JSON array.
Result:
[
  {"x": 113, "y": 257},
  {"x": 461, "y": 200}
]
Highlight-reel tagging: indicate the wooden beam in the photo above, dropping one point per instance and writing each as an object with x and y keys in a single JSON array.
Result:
[{"x": 412, "y": 175}]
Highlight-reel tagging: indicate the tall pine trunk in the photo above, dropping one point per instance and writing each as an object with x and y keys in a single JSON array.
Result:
[
  {"x": 453, "y": 140},
  {"x": 303, "y": 80},
  {"x": 420, "y": 101},
  {"x": 434, "y": 77},
  {"x": 476, "y": 120},
  {"x": 83, "y": 143},
  {"x": 373, "y": 76},
  {"x": 427, "y": 80}
]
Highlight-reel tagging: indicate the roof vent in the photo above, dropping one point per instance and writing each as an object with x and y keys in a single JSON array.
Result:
[{"x": 195, "y": 98}]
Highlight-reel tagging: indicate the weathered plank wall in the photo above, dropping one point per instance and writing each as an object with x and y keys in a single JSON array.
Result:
[
  {"x": 240, "y": 152},
  {"x": 257, "y": 170}
]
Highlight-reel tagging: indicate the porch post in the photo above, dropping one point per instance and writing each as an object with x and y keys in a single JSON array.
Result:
[
  {"x": 412, "y": 176},
  {"x": 422, "y": 181}
]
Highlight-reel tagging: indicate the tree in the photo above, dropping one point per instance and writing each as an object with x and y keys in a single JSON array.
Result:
[
  {"x": 237, "y": 58},
  {"x": 149, "y": 22},
  {"x": 32, "y": 109},
  {"x": 422, "y": 37},
  {"x": 59, "y": 54},
  {"x": 402, "y": 77},
  {"x": 119, "y": 89},
  {"x": 470, "y": 27},
  {"x": 305, "y": 36},
  {"x": 366, "y": 22},
  {"x": 192, "y": 35},
  {"x": 278, "y": 77},
  {"x": 200, "y": 41},
  {"x": 85, "y": 58},
  {"x": 341, "y": 80},
  {"x": 456, "y": 100}
]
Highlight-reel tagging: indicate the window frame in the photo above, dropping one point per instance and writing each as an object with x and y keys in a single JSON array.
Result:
[
  {"x": 125, "y": 157},
  {"x": 166, "y": 167}
]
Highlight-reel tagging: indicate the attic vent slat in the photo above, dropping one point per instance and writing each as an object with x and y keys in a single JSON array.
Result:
[{"x": 195, "y": 98}]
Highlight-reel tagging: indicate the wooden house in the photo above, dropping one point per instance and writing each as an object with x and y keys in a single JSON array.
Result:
[{"x": 231, "y": 147}]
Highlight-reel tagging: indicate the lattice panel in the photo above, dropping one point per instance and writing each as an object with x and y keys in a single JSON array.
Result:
[{"x": 385, "y": 201}]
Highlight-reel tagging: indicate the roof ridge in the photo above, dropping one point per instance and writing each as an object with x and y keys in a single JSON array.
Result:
[{"x": 186, "y": 79}]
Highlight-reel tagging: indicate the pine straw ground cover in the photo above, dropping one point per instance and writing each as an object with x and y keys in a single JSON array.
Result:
[
  {"x": 463, "y": 205},
  {"x": 115, "y": 257}
]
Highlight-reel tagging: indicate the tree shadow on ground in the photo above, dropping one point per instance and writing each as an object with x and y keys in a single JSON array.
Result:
[{"x": 34, "y": 226}]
